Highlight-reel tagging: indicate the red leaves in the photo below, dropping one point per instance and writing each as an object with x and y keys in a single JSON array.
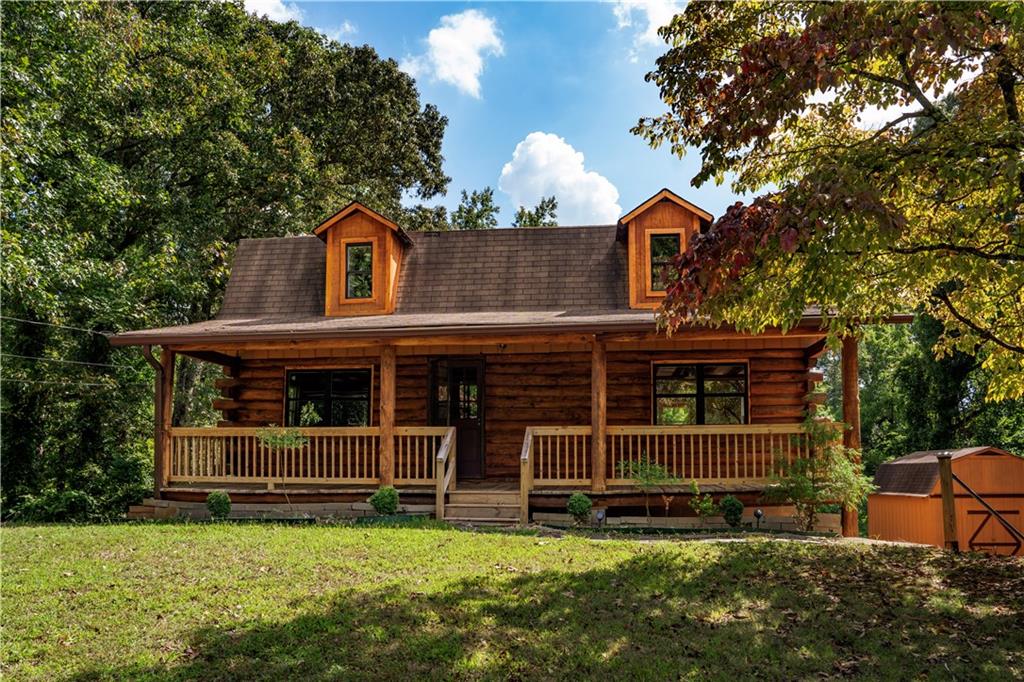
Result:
[{"x": 788, "y": 240}]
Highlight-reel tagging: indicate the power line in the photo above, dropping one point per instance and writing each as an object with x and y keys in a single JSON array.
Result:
[
  {"x": 70, "y": 362},
  {"x": 63, "y": 383},
  {"x": 51, "y": 324}
]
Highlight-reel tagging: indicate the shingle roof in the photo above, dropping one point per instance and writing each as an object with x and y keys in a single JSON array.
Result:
[
  {"x": 276, "y": 277},
  {"x": 918, "y": 472},
  {"x": 537, "y": 269},
  {"x": 552, "y": 268},
  {"x": 548, "y": 279},
  {"x": 559, "y": 279}
]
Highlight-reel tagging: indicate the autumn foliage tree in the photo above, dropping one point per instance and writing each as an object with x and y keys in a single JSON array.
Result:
[{"x": 885, "y": 141}]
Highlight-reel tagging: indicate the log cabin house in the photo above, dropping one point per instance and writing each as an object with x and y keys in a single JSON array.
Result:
[{"x": 487, "y": 372}]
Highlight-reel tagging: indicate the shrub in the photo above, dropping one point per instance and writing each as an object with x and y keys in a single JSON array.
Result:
[
  {"x": 831, "y": 476},
  {"x": 732, "y": 510},
  {"x": 579, "y": 507},
  {"x": 385, "y": 501},
  {"x": 219, "y": 504},
  {"x": 704, "y": 505},
  {"x": 649, "y": 477},
  {"x": 56, "y": 505}
]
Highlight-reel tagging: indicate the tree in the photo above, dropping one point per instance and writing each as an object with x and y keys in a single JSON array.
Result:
[
  {"x": 140, "y": 142},
  {"x": 864, "y": 218},
  {"x": 911, "y": 400},
  {"x": 422, "y": 218},
  {"x": 542, "y": 215},
  {"x": 476, "y": 211}
]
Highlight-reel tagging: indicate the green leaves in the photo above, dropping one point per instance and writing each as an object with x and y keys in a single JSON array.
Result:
[
  {"x": 890, "y": 138},
  {"x": 140, "y": 142}
]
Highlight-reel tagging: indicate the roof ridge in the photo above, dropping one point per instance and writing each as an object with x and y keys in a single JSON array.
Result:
[
  {"x": 286, "y": 236},
  {"x": 491, "y": 230}
]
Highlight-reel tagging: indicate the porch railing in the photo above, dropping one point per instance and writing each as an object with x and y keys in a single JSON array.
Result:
[
  {"x": 239, "y": 455},
  {"x": 416, "y": 449},
  {"x": 344, "y": 455},
  {"x": 738, "y": 454},
  {"x": 707, "y": 454}
]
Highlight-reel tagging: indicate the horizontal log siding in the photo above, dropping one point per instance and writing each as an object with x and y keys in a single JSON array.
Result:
[
  {"x": 537, "y": 389},
  {"x": 778, "y": 382}
]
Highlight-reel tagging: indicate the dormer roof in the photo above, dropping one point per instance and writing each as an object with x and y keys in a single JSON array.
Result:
[{"x": 322, "y": 229}]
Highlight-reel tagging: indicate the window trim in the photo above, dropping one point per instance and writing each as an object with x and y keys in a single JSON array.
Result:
[
  {"x": 700, "y": 387},
  {"x": 648, "y": 265},
  {"x": 347, "y": 246},
  {"x": 377, "y": 272},
  {"x": 288, "y": 369}
]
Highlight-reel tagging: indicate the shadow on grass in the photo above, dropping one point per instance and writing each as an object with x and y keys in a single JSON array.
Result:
[{"x": 774, "y": 611}]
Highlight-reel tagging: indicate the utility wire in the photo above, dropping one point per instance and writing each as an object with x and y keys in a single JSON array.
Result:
[
  {"x": 63, "y": 383},
  {"x": 51, "y": 324},
  {"x": 70, "y": 362}
]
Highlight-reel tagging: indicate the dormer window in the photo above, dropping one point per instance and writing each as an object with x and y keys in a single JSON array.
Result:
[
  {"x": 359, "y": 270},
  {"x": 663, "y": 248},
  {"x": 655, "y": 233}
]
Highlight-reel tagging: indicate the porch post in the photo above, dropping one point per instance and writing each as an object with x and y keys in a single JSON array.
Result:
[
  {"x": 158, "y": 411},
  {"x": 387, "y": 415},
  {"x": 851, "y": 416},
  {"x": 167, "y": 361},
  {"x": 598, "y": 413}
]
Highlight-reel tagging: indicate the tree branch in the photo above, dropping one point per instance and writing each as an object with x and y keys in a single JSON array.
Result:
[{"x": 980, "y": 331}]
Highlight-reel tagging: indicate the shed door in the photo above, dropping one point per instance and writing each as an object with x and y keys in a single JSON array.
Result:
[{"x": 988, "y": 535}]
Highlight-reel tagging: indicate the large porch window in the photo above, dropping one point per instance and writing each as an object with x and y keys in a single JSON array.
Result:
[
  {"x": 337, "y": 397},
  {"x": 700, "y": 393}
]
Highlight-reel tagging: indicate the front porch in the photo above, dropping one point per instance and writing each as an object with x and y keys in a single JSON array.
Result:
[
  {"x": 523, "y": 424},
  {"x": 349, "y": 463}
]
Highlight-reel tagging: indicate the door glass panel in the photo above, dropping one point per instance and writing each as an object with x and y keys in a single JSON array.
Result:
[{"x": 467, "y": 392}]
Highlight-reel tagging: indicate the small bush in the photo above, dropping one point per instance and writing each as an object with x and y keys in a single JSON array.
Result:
[
  {"x": 219, "y": 504},
  {"x": 56, "y": 505},
  {"x": 732, "y": 510},
  {"x": 385, "y": 501},
  {"x": 579, "y": 507},
  {"x": 703, "y": 505}
]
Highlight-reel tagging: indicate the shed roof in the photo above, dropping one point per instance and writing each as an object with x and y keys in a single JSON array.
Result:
[{"x": 918, "y": 472}]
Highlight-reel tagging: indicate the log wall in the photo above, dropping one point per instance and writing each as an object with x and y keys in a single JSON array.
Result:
[{"x": 535, "y": 388}]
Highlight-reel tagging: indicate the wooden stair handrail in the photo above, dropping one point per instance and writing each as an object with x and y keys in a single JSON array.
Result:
[
  {"x": 444, "y": 475},
  {"x": 526, "y": 477}
]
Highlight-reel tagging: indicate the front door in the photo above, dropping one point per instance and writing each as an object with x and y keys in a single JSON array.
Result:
[{"x": 457, "y": 399}]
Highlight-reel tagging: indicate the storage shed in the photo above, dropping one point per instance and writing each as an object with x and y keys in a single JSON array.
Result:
[{"x": 908, "y": 503}]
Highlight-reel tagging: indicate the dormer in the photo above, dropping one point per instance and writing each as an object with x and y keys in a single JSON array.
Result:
[
  {"x": 655, "y": 232},
  {"x": 364, "y": 257}
]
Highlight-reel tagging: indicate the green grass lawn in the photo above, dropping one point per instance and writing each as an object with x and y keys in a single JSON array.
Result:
[{"x": 227, "y": 601}]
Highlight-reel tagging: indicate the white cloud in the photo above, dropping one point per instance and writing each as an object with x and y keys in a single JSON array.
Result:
[
  {"x": 544, "y": 164},
  {"x": 276, "y": 10},
  {"x": 456, "y": 50},
  {"x": 339, "y": 33},
  {"x": 645, "y": 17}
]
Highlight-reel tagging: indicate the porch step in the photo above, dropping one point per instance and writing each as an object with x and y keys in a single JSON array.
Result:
[
  {"x": 479, "y": 521},
  {"x": 483, "y": 507},
  {"x": 491, "y": 511},
  {"x": 484, "y": 498}
]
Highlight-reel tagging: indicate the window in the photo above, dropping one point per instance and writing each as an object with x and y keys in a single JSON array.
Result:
[
  {"x": 359, "y": 270},
  {"x": 664, "y": 247},
  {"x": 339, "y": 397},
  {"x": 700, "y": 394}
]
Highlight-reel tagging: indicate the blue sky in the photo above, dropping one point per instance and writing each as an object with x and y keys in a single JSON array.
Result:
[{"x": 529, "y": 88}]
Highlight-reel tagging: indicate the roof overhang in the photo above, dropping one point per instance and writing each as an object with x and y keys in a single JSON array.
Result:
[
  {"x": 644, "y": 325},
  {"x": 321, "y": 229}
]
